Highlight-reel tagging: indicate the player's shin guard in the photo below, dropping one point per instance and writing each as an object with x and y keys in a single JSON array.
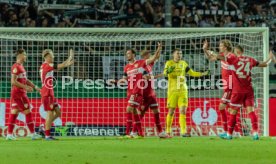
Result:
[
  {"x": 231, "y": 123},
  {"x": 182, "y": 123},
  {"x": 169, "y": 121},
  {"x": 12, "y": 120},
  {"x": 224, "y": 119},
  {"x": 254, "y": 121},
  {"x": 30, "y": 123},
  {"x": 138, "y": 124},
  {"x": 157, "y": 122},
  {"x": 128, "y": 123}
]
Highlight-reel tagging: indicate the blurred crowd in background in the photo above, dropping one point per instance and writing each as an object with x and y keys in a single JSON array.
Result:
[{"x": 139, "y": 13}]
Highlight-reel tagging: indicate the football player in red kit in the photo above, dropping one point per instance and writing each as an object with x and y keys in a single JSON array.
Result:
[
  {"x": 242, "y": 92},
  {"x": 225, "y": 49},
  {"x": 149, "y": 96},
  {"x": 19, "y": 99},
  {"x": 47, "y": 92},
  {"x": 134, "y": 72}
]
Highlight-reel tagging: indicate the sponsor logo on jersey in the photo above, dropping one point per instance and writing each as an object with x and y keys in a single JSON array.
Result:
[
  {"x": 22, "y": 75},
  {"x": 49, "y": 74}
]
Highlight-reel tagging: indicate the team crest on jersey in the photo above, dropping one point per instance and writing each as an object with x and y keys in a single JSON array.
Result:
[
  {"x": 51, "y": 106},
  {"x": 14, "y": 70},
  {"x": 135, "y": 65},
  {"x": 181, "y": 65}
]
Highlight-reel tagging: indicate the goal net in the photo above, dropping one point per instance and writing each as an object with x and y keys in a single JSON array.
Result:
[{"x": 91, "y": 106}]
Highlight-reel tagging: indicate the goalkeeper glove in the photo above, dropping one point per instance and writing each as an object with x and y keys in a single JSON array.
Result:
[
  {"x": 170, "y": 69},
  {"x": 206, "y": 73}
]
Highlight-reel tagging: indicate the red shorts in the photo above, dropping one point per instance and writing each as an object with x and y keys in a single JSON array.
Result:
[
  {"x": 135, "y": 100},
  {"x": 49, "y": 103},
  {"x": 239, "y": 100},
  {"x": 226, "y": 97},
  {"x": 149, "y": 102},
  {"x": 20, "y": 102}
]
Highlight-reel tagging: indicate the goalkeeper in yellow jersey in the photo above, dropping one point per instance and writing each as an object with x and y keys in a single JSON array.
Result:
[{"x": 176, "y": 70}]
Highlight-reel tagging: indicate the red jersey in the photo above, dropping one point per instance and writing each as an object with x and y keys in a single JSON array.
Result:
[
  {"x": 149, "y": 90},
  {"x": 47, "y": 75},
  {"x": 134, "y": 73},
  {"x": 226, "y": 72},
  {"x": 242, "y": 66},
  {"x": 18, "y": 70}
]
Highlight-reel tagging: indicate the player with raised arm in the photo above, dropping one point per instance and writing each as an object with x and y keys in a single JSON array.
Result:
[
  {"x": 134, "y": 72},
  {"x": 176, "y": 70},
  {"x": 225, "y": 49},
  {"x": 242, "y": 92},
  {"x": 149, "y": 96},
  {"x": 47, "y": 92},
  {"x": 19, "y": 99},
  {"x": 272, "y": 54}
]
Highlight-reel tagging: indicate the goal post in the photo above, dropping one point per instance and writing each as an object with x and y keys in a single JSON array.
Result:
[
  {"x": 91, "y": 107},
  {"x": 265, "y": 34}
]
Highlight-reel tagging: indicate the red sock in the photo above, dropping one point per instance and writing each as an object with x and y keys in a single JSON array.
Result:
[
  {"x": 224, "y": 119},
  {"x": 29, "y": 122},
  {"x": 48, "y": 133},
  {"x": 129, "y": 123},
  {"x": 134, "y": 129},
  {"x": 12, "y": 120},
  {"x": 157, "y": 122},
  {"x": 231, "y": 123},
  {"x": 238, "y": 124},
  {"x": 138, "y": 124},
  {"x": 254, "y": 121}
]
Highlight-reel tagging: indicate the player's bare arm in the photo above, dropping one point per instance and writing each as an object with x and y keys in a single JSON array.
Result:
[
  {"x": 156, "y": 55},
  {"x": 211, "y": 56},
  {"x": 272, "y": 56},
  {"x": 14, "y": 82},
  {"x": 151, "y": 76},
  {"x": 67, "y": 62},
  {"x": 158, "y": 51},
  {"x": 31, "y": 84},
  {"x": 267, "y": 61},
  {"x": 218, "y": 57},
  {"x": 159, "y": 76}
]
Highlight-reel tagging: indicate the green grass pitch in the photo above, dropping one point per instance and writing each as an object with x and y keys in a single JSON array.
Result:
[{"x": 90, "y": 150}]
